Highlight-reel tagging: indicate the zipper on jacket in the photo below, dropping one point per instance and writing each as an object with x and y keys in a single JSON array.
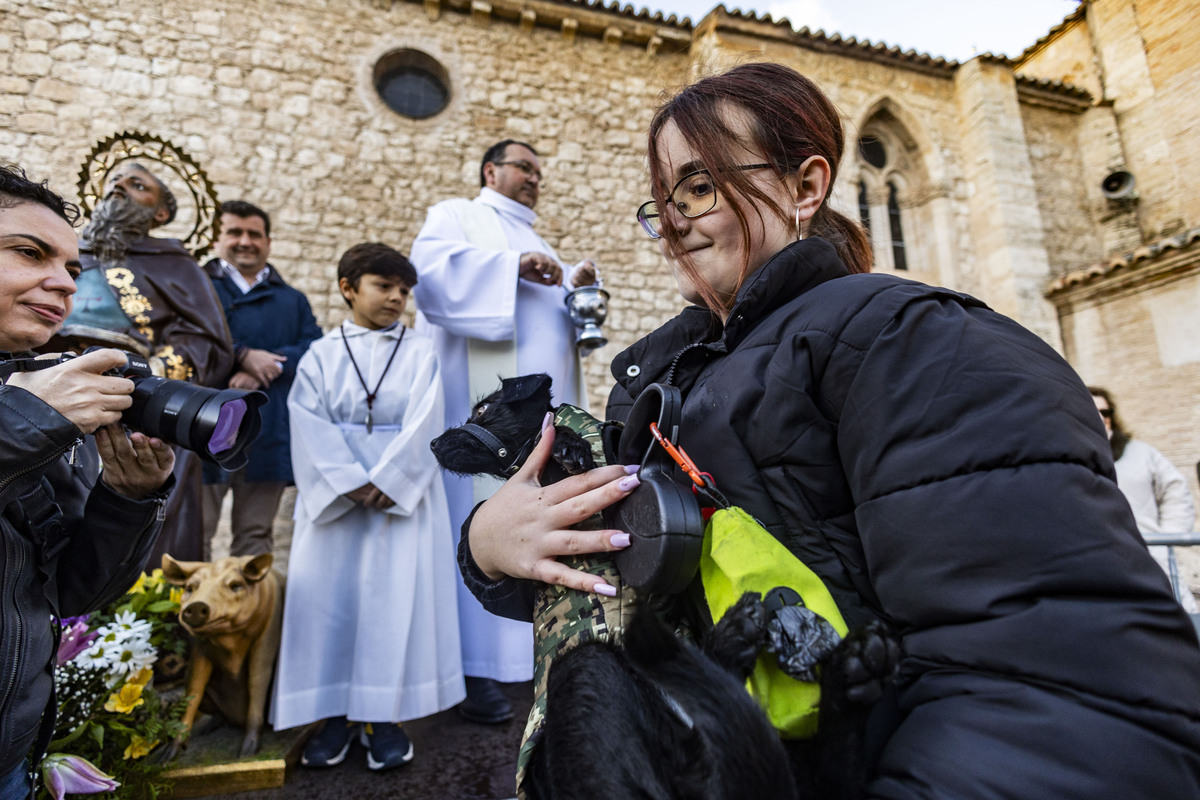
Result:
[
  {"x": 19, "y": 626},
  {"x": 36, "y": 466},
  {"x": 675, "y": 362}
]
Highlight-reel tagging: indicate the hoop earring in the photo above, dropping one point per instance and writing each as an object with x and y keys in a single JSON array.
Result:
[{"x": 799, "y": 233}]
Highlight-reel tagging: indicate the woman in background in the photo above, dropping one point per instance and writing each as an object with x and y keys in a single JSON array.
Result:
[{"x": 1157, "y": 493}]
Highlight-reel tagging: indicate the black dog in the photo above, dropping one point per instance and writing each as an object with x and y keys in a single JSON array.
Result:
[
  {"x": 504, "y": 428},
  {"x": 655, "y": 716}
]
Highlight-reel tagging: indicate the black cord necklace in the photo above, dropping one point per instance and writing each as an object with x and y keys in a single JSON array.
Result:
[{"x": 371, "y": 395}]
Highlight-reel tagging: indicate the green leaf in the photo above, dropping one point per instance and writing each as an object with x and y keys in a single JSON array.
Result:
[{"x": 58, "y": 744}]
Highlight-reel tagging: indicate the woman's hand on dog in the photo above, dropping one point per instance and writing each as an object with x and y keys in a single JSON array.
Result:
[{"x": 524, "y": 527}]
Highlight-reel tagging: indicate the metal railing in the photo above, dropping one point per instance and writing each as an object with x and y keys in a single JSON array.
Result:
[{"x": 1171, "y": 541}]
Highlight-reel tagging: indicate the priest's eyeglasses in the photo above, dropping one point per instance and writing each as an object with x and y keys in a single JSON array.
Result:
[
  {"x": 529, "y": 170},
  {"x": 693, "y": 196}
]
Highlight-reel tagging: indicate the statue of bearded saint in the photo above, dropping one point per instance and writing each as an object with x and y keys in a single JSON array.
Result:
[
  {"x": 149, "y": 291},
  {"x": 145, "y": 289},
  {"x": 117, "y": 222}
]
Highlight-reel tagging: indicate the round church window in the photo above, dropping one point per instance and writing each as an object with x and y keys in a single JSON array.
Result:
[{"x": 412, "y": 83}]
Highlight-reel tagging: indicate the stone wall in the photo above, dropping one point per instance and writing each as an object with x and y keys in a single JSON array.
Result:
[
  {"x": 275, "y": 101},
  {"x": 1065, "y": 54},
  {"x": 1146, "y": 119},
  {"x": 1070, "y": 233},
  {"x": 1129, "y": 315},
  {"x": 1171, "y": 31}
]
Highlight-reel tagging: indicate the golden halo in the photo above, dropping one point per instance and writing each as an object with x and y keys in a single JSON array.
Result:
[{"x": 129, "y": 145}]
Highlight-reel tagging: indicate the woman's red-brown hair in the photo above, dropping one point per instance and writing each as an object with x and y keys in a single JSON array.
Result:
[{"x": 790, "y": 120}]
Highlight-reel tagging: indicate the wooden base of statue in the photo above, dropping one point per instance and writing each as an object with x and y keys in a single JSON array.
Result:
[{"x": 210, "y": 764}]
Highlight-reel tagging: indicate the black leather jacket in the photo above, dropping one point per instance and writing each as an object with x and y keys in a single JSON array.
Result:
[{"x": 70, "y": 546}]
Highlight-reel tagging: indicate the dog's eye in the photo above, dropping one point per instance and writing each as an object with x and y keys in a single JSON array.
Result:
[{"x": 480, "y": 410}]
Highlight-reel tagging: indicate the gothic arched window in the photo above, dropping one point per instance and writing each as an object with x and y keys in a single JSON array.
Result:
[
  {"x": 899, "y": 261},
  {"x": 864, "y": 207},
  {"x": 891, "y": 182}
]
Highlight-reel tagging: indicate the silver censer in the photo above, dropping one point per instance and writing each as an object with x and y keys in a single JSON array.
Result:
[{"x": 588, "y": 307}]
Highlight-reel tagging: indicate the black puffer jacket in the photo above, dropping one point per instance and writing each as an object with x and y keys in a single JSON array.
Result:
[
  {"x": 944, "y": 470},
  {"x": 69, "y": 548}
]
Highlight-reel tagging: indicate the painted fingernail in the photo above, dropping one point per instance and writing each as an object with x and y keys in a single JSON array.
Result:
[
  {"x": 629, "y": 483},
  {"x": 619, "y": 540},
  {"x": 548, "y": 421},
  {"x": 605, "y": 589},
  {"x": 631, "y": 469}
]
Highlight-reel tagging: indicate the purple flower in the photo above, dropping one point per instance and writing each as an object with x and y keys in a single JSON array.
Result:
[
  {"x": 75, "y": 639},
  {"x": 65, "y": 774}
]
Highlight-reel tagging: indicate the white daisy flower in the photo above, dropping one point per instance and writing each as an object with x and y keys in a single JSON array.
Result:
[
  {"x": 133, "y": 654},
  {"x": 111, "y": 635},
  {"x": 128, "y": 622},
  {"x": 99, "y": 656}
]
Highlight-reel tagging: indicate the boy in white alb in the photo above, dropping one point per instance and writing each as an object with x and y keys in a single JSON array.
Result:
[{"x": 370, "y": 626}]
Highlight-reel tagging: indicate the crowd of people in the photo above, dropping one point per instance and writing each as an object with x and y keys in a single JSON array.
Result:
[{"x": 936, "y": 465}]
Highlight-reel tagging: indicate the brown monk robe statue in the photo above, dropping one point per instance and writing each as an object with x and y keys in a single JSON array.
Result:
[
  {"x": 152, "y": 297},
  {"x": 233, "y": 608}
]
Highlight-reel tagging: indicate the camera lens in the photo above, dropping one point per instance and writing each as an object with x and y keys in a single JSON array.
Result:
[
  {"x": 216, "y": 424},
  {"x": 229, "y": 421}
]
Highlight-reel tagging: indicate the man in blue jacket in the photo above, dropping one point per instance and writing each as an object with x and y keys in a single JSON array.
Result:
[{"x": 272, "y": 326}]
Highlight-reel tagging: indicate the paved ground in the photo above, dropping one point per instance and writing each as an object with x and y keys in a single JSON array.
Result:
[{"x": 453, "y": 760}]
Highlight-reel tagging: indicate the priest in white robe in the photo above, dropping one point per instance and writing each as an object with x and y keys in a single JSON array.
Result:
[{"x": 491, "y": 296}]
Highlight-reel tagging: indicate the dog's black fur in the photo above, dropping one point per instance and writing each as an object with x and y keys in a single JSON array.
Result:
[
  {"x": 658, "y": 717},
  {"x": 513, "y": 414}
]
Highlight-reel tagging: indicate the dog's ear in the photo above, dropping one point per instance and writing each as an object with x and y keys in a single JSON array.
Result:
[{"x": 526, "y": 387}]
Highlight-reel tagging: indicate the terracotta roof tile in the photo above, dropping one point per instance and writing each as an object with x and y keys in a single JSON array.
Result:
[{"x": 1124, "y": 261}]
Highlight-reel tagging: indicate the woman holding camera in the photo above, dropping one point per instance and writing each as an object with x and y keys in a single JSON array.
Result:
[
  {"x": 938, "y": 466},
  {"x": 73, "y": 537}
]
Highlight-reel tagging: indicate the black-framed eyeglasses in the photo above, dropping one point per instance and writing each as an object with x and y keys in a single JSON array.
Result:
[
  {"x": 529, "y": 169},
  {"x": 1105, "y": 412},
  {"x": 693, "y": 196}
]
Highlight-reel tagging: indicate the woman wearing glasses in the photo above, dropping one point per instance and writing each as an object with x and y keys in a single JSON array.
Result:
[{"x": 938, "y": 466}]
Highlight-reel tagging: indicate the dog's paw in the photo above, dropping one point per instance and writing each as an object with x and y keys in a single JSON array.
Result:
[
  {"x": 864, "y": 663},
  {"x": 572, "y": 452},
  {"x": 740, "y": 636}
]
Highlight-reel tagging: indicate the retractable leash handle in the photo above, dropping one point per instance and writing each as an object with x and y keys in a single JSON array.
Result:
[
  {"x": 706, "y": 486},
  {"x": 661, "y": 516}
]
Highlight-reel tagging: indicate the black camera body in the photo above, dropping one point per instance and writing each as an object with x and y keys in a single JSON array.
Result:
[{"x": 215, "y": 424}]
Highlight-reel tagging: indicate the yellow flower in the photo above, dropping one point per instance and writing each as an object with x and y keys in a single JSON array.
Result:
[
  {"x": 142, "y": 678},
  {"x": 139, "y": 585},
  {"x": 176, "y": 594},
  {"x": 125, "y": 699},
  {"x": 138, "y": 747},
  {"x": 155, "y": 580}
]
